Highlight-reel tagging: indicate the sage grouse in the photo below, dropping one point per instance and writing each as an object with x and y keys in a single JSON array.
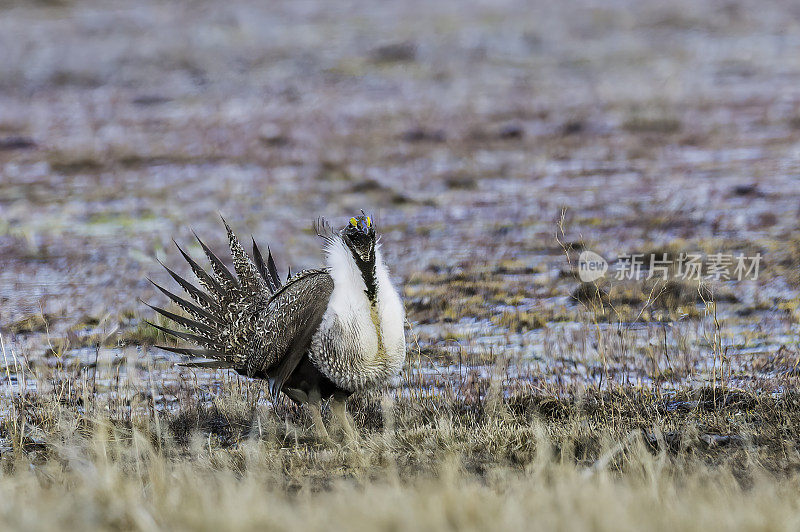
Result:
[{"x": 324, "y": 333}]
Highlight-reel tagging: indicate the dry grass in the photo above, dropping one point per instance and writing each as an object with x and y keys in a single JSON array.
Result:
[
  {"x": 211, "y": 493},
  {"x": 476, "y": 453},
  {"x": 624, "y": 459},
  {"x": 139, "y": 489}
]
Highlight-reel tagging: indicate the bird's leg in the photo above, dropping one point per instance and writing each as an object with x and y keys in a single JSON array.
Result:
[
  {"x": 340, "y": 413},
  {"x": 316, "y": 418},
  {"x": 314, "y": 402}
]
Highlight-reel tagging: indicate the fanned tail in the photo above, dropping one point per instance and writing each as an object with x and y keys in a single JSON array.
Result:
[
  {"x": 247, "y": 272},
  {"x": 207, "y": 281},
  {"x": 224, "y": 275},
  {"x": 218, "y": 312},
  {"x": 268, "y": 272}
]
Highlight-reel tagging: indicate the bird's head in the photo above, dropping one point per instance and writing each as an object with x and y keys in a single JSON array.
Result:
[{"x": 359, "y": 236}]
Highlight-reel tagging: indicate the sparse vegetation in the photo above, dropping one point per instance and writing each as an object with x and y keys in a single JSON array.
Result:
[
  {"x": 449, "y": 459},
  {"x": 642, "y": 124},
  {"x": 29, "y": 324}
]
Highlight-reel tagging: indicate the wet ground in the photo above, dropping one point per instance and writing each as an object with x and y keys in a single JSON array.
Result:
[{"x": 465, "y": 130}]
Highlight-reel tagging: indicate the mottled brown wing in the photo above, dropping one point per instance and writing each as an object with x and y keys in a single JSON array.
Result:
[{"x": 284, "y": 335}]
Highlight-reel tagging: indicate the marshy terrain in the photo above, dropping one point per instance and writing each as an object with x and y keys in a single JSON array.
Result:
[{"x": 492, "y": 143}]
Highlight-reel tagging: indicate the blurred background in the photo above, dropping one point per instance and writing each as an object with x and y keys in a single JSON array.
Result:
[{"x": 464, "y": 128}]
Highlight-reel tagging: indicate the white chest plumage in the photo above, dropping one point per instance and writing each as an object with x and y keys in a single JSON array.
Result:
[{"x": 360, "y": 344}]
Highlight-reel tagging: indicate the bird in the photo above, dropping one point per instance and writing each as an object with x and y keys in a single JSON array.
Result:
[{"x": 323, "y": 334}]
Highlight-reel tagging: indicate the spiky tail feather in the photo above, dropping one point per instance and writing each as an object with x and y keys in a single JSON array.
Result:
[{"x": 215, "y": 312}]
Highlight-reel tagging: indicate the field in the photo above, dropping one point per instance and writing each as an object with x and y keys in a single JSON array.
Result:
[{"x": 492, "y": 143}]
